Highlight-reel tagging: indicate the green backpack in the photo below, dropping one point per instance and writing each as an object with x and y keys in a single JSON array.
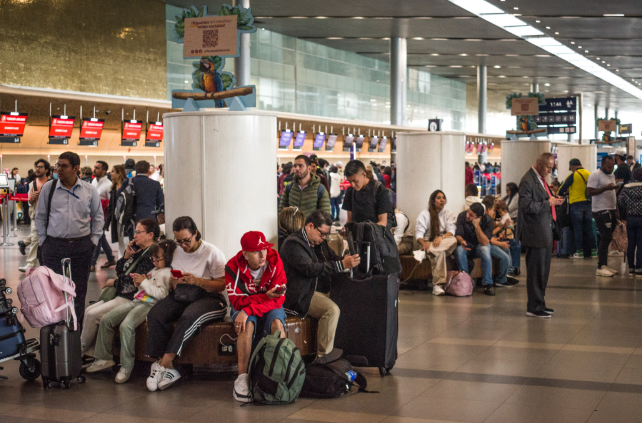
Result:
[{"x": 276, "y": 370}]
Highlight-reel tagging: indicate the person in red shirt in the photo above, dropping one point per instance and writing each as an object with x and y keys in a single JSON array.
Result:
[
  {"x": 470, "y": 176},
  {"x": 387, "y": 176},
  {"x": 255, "y": 283}
]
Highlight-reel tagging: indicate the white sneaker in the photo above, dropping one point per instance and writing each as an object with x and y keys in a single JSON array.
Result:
[
  {"x": 242, "y": 388},
  {"x": 157, "y": 374},
  {"x": 438, "y": 290},
  {"x": 604, "y": 272},
  {"x": 169, "y": 376},
  {"x": 610, "y": 269},
  {"x": 123, "y": 375},
  {"x": 99, "y": 365},
  {"x": 24, "y": 269},
  {"x": 577, "y": 256}
]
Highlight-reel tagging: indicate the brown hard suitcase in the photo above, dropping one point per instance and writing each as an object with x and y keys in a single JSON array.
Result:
[{"x": 335, "y": 241}]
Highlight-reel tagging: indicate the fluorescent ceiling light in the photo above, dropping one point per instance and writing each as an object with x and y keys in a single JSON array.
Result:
[
  {"x": 613, "y": 14},
  {"x": 516, "y": 26}
]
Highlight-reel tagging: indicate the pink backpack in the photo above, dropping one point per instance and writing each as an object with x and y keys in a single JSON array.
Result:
[
  {"x": 460, "y": 284},
  {"x": 42, "y": 298}
]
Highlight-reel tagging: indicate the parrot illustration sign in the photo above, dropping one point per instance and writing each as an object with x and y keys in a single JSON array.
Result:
[{"x": 212, "y": 38}]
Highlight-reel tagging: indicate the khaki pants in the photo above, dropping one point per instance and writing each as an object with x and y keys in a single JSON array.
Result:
[
  {"x": 32, "y": 260},
  {"x": 327, "y": 313},
  {"x": 437, "y": 258}
]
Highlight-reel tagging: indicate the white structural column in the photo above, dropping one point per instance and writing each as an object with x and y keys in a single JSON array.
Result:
[
  {"x": 482, "y": 86},
  {"x": 427, "y": 161},
  {"x": 242, "y": 63},
  {"x": 217, "y": 168},
  {"x": 519, "y": 156},
  {"x": 398, "y": 80},
  {"x": 587, "y": 154}
]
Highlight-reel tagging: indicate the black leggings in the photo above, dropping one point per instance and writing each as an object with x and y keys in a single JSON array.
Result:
[
  {"x": 162, "y": 338},
  {"x": 605, "y": 222}
]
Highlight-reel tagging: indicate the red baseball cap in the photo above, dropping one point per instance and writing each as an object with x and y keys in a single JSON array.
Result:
[{"x": 254, "y": 241}]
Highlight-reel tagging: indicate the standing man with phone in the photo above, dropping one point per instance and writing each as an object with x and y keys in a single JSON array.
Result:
[
  {"x": 601, "y": 188},
  {"x": 102, "y": 185},
  {"x": 535, "y": 225},
  {"x": 43, "y": 169}
]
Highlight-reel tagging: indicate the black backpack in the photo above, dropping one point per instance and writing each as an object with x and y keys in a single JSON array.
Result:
[
  {"x": 382, "y": 258},
  {"x": 331, "y": 380}
]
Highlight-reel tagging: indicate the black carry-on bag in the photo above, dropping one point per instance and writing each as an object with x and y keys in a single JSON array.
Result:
[
  {"x": 60, "y": 351},
  {"x": 369, "y": 322}
]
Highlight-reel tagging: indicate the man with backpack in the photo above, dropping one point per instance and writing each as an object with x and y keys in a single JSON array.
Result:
[
  {"x": 42, "y": 171},
  {"x": 366, "y": 200},
  {"x": 149, "y": 194},
  {"x": 306, "y": 191},
  {"x": 575, "y": 186},
  {"x": 255, "y": 282}
]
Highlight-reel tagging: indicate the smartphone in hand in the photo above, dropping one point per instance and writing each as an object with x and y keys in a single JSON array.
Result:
[
  {"x": 177, "y": 274},
  {"x": 135, "y": 248},
  {"x": 280, "y": 289}
]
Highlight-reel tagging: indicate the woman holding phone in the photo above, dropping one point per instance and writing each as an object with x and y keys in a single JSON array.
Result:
[
  {"x": 198, "y": 278},
  {"x": 136, "y": 261}
]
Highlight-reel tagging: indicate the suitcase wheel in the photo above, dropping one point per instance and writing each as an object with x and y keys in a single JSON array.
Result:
[
  {"x": 30, "y": 372},
  {"x": 64, "y": 384},
  {"x": 81, "y": 379},
  {"x": 383, "y": 371}
]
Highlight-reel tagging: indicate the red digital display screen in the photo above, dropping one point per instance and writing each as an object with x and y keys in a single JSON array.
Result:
[
  {"x": 61, "y": 126},
  {"x": 91, "y": 129},
  {"x": 132, "y": 130},
  {"x": 155, "y": 132},
  {"x": 12, "y": 124}
]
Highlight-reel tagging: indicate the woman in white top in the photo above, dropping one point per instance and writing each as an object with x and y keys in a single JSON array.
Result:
[
  {"x": 435, "y": 231},
  {"x": 335, "y": 192},
  {"x": 512, "y": 200},
  {"x": 196, "y": 300}
]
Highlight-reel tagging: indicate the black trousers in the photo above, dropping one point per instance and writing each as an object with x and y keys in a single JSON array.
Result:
[
  {"x": 163, "y": 338},
  {"x": 605, "y": 222},
  {"x": 80, "y": 252},
  {"x": 538, "y": 266}
]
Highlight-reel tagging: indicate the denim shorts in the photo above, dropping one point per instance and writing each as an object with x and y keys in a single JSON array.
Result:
[{"x": 263, "y": 323}]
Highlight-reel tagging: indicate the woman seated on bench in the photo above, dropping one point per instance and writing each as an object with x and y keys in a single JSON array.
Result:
[
  {"x": 196, "y": 300},
  {"x": 137, "y": 259},
  {"x": 291, "y": 219},
  {"x": 435, "y": 231},
  {"x": 152, "y": 287}
]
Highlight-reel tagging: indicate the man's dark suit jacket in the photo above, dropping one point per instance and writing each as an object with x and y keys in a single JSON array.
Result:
[
  {"x": 149, "y": 196},
  {"x": 535, "y": 215}
]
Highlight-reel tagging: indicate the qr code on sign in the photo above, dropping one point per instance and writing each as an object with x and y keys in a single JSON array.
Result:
[{"x": 210, "y": 38}]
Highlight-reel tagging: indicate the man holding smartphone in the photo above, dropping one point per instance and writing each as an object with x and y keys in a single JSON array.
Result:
[{"x": 255, "y": 282}]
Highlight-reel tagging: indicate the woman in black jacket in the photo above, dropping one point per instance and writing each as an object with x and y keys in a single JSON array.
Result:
[
  {"x": 119, "y": 182},
  {"x": 630, "y": 202}
]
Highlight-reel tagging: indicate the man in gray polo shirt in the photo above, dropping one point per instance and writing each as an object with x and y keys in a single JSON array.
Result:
[
  {"x": 601, "y": 188},
  {"x": 70, "y": 225}
]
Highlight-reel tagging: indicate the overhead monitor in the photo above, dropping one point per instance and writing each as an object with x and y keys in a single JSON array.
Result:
[
  {"x": 374, "y": 141},
  {"x": 154, "y": 132},
  {"x": 319, "y": 139},
  {"x": 12, "y": 124},
  {"x": 348, "y": 140},
  {"x": 332, "y": 141},
  {"x": 382, "y": 144},
  {"x": 91, "y": 129},
  {"x": 359, "y": 141},
  {"x": 131, "y": 130},
  {"x": 61, "y": 126},
  {"x": 299, "y": 140},
  {"x": 286, "y": 139}
]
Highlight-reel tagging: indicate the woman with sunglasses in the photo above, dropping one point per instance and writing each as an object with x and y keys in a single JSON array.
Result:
[{"x": 199, "y": 269}]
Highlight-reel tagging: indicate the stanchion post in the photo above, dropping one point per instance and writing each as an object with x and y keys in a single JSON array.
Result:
[{"x": 5, "y": 221}]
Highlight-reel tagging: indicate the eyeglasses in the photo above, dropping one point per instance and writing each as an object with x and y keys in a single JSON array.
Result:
[
  {"x": 157, "y": 260},
  {"x": 141, "y": 232},
  {"x": 184, "y": 241},
  {"x": 63, "y": 166},
  {"x": 323, "y": 235}
]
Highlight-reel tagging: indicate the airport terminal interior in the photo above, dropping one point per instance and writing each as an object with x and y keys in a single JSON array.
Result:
[{"x": 508, "y": 124}]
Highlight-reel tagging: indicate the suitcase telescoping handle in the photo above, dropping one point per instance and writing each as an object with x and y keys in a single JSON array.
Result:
[{"x": 66, "y": 274}]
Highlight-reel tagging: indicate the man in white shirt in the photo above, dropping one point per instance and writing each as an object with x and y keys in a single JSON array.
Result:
[
  {"x": 42, "y": 169},
  {"x": 103, "y": 186}
]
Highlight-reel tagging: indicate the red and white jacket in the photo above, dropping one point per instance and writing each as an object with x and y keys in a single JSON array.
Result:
[{"x": 244, "y": 294}]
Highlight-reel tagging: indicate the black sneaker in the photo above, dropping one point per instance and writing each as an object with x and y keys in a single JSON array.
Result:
[
  {"x": 23, "y": 248},
  {"x": 549, "y": 310},
  {"x": 541, "y": 314},
  {"x": 489, "y": 290},
  {"x": 511, "y": 281}
]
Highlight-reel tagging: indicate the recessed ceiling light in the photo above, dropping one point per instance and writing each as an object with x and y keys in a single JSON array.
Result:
[
  {"x": 572, "y": 42},
  {"x": 603, "y": 61},
  {"x": 609, "y": 15},
  {"x": 608, "y": 64},
  {"x": 431, "y": 66},
  {"x": 321, "y": 17},
  {"x": 455, "y": 66},
  {"x": 497, "y": 66},
  {"x": 186, "y": 81},
  {"x": 298, "y": 17},
  {"x": 434, "y": 54},
  {"x": 598, "y": 58},
  {"x": 463, "y": 54},
  {"x": 557, "y": 33},
  {"x": 479, "y": 55},
  {"x": 548, "y": 27},
  {"x": 585, "y": 51},
  {"x": 547, "y": 84},
  {"x": 538, "y": 21},
  {"x": 579, "y": 46},
  {"x": 334, "y": 38},
  {"x": 502, "y": 76},
  {"x": 358, "y": 17},
  {"x": 418, "y": 38},
  {"x": 516, "y": 8}
]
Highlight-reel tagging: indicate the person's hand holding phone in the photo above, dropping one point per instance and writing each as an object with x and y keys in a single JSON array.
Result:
[
  {"x": 465, "y": 246},
  {"x": 190, "y": 279},
  {"x": 276, "y": 292},
  {"x": 137, "y": 278},
  {"x": 351, "y": 261},
  {"x": 131, "y": 249}
]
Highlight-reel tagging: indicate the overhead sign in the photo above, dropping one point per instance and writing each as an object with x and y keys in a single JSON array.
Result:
[
  {"x": 132, "y": 130},
  {"x": 556, "y": 118},
  {"x": 91, "y": 129},
  {"x": 561, "y": 129},
  {"x": 210, "y": 36},
  {"x": 61, "y": 126},
  {"x": 626, "y": 128},
  {"x": 559, "y": 104},
  {"x": 607, "y": 125},
  {"x": 155, "y": 132},
  {"x": 12, "y": 124},
  {"x": 525, "y": 106}
]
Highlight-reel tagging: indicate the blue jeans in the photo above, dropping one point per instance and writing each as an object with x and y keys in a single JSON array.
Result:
[
  {"x": 264, "y": 321},
  {"x": 104, "y": 244},
  {"x": 515, "y": 253},
  {"x": 634, "y": 234},
  {"x": 334, "y": 203},
  {"x": 478, "y": 251},
  {"x": 504, "y": 263},
  {"x": 583, "y": 226}
]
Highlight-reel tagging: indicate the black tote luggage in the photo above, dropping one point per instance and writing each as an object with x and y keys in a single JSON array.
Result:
[{"x": 60, "y": 351}]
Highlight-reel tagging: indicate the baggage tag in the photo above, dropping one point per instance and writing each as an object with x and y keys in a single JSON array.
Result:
[{"x": 228, "y": 349}]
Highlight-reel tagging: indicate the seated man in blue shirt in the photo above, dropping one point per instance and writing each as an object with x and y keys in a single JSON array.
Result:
[{"x": 474, "y": 231}]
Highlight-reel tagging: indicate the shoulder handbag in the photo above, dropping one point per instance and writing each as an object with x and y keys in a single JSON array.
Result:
[{"x": 188, "y": 293}]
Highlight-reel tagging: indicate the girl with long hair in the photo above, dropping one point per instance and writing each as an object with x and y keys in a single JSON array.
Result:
[{"x": 118, "y": 180}]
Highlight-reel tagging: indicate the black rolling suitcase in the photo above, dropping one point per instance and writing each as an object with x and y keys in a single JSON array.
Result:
[
  {"x": 60, "y": 351},
  {"x": 369, "y": 322}
]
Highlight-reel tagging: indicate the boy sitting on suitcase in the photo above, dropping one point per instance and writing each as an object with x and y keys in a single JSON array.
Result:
[
  {"x": 309, "y": 265},
  {"x": 255, "y": 283}
]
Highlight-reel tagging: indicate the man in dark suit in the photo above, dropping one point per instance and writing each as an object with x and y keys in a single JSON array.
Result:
[
  {"x": 149, "y": 194},
  {"x": 535, "y": 231}
]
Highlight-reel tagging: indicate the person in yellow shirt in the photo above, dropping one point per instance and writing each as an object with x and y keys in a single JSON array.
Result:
[{"x": 575, "y": 186}]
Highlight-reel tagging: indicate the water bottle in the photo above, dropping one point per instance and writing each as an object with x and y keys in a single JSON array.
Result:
[{"x": 351, "y": 375}]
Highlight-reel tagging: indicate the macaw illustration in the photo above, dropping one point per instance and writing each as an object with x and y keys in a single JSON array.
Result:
[{"x": 211, "y": 81}]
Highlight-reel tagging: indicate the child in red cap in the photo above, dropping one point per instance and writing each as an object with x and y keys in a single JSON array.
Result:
[{"x": 255, "y": 283}]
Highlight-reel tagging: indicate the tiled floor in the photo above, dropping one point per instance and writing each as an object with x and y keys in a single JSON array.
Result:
[{"x": 477, "y": 359}]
